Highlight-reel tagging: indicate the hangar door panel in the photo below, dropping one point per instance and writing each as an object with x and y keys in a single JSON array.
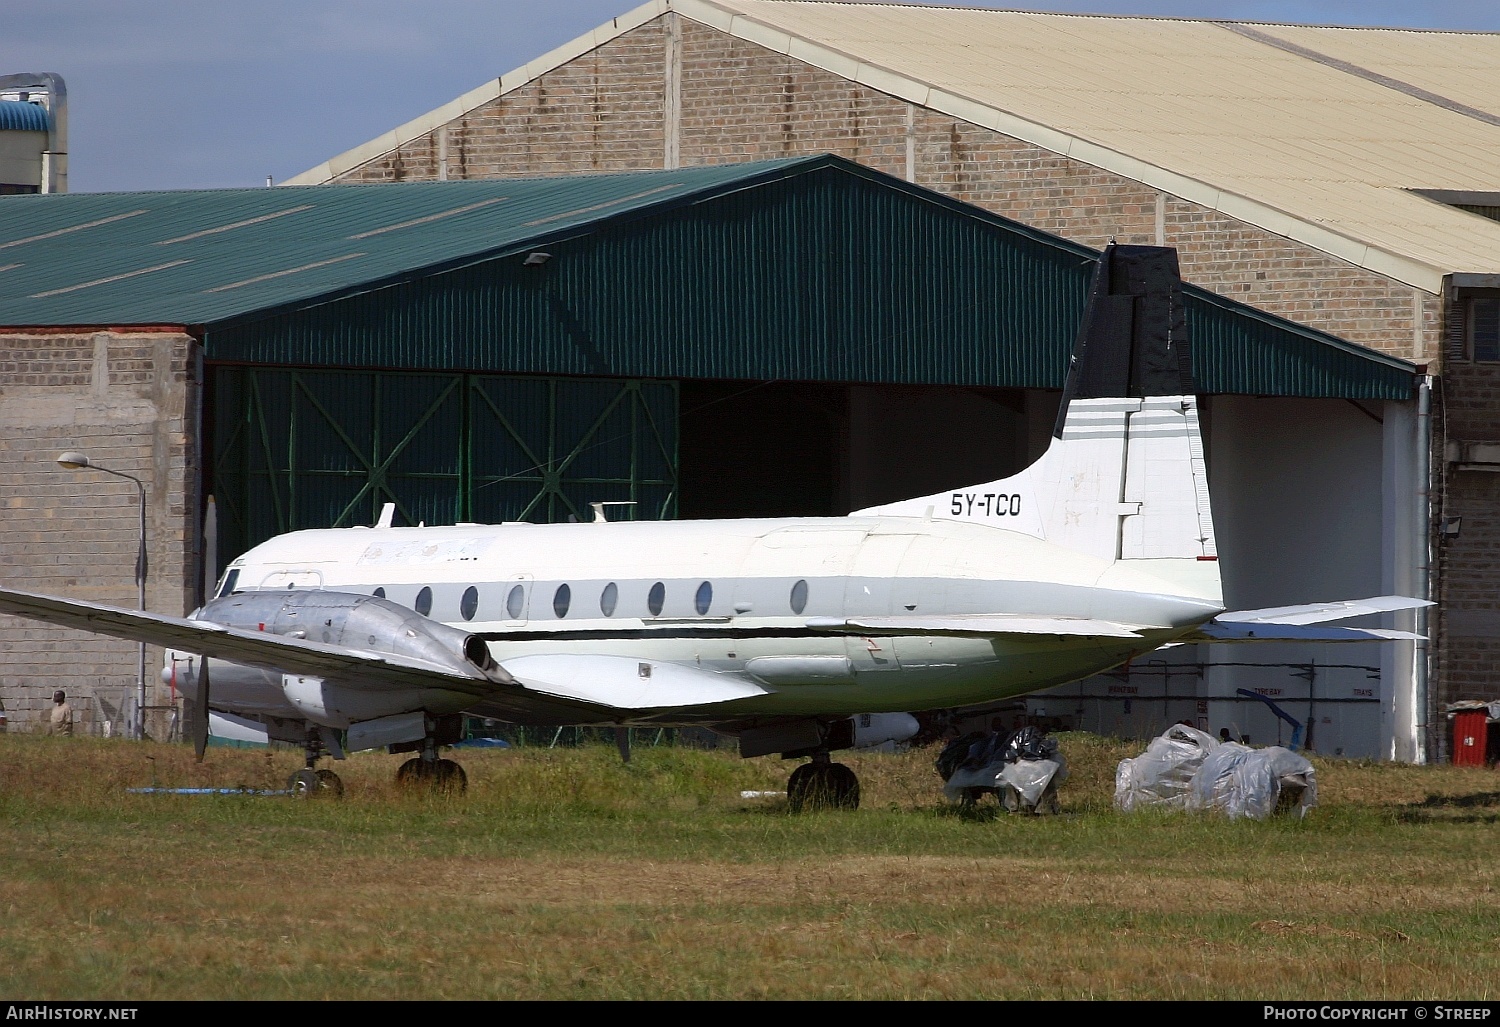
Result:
[{"x": 298, "y": 449}]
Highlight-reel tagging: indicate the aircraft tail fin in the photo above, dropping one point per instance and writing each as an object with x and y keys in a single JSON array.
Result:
[{"x": 1124, "y": 477}]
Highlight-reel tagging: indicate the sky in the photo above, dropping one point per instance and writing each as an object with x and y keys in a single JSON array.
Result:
[{"x": 188, "y": 94}]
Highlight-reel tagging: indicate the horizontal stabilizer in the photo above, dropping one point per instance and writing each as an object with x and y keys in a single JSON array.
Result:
[
  {"x": 621, "y": 683},
  {"x": 981, "y": 625},
  {"x": 1234, "y": 631},
  {"x": 253, "y": 648},
  {"x": 1318, "y": 613}
]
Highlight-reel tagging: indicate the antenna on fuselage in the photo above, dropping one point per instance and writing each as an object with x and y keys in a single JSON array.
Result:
[
  {"x": 599, "y": 517},
  {"x": 387, "y": 515}
]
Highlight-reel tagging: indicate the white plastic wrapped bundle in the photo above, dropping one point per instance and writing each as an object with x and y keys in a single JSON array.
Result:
[
  {"x": 1243, "y": 782},
  {"x": 1187, "y": 769},
  {"x": 1163, "y": 774}
]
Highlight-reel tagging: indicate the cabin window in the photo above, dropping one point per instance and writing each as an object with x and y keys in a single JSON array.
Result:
[
  {"x": 229, "y": 582},
  {"x": 424, "y": 601},
  {"x": 799, "y": 596},
  {"x": 469, "y": 604},
  {"x": 656, "y": 598},
  {"x": 515, "y": 603},
  {"x": 560, "y": 600},
  {"x": 380, "y": 592},
  {"x": 608, "y": 598},
  {"x": 704, "y": 598}
]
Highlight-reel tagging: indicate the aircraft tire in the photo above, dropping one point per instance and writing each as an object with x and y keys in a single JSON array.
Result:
[
  {"x": 843, "y": 787},
  {"x": 449, "y": 778},
  {"x": 304, "y": 784},
  {"x": 814, "y": 786},
  {"x": 798, "y": 787},
  {"x": 331, "y": 783},
  {"x": 411, "y": 772}
]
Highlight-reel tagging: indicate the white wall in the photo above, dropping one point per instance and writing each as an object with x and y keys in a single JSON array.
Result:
[{"x": 1310, "y": 504}]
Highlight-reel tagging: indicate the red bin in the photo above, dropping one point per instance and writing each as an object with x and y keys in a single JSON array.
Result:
[{"x": 1469, "y": 730}]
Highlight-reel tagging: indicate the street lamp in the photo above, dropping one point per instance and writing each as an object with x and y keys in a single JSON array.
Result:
[{"x": 80, "y": 462}]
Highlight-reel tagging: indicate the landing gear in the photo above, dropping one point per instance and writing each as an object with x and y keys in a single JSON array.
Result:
[
  {"x": 822, "y": 784},
  {"x": 443, "y": 777},
  {"x": 310, "y": 781},
  {"x": 307, "y": 783}
]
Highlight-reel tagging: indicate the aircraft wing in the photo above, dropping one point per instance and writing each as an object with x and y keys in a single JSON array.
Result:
[
  {"x": 558, "y": 682},
  {"x": 252, "y": 648},
  {"x": 977, "y": 625},
  {"x": 1318, "y": 613}
]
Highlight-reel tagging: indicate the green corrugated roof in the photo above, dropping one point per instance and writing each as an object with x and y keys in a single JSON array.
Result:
[
  {"x": 195, "y": 258},
  {"x": 810, "y": 268}
]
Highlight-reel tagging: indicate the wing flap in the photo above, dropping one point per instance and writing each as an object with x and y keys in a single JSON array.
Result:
[
  {"x": 984, "y": 625},
  {"x": 622, "y": 683}
]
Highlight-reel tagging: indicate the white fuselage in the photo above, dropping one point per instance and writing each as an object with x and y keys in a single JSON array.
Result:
[{"x": 736, "y": 597}]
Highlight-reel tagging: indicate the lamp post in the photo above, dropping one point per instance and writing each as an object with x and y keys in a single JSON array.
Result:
[{"x": 80, "y": 462}]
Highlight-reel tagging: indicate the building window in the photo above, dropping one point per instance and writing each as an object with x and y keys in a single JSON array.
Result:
[
  {"x": 561, "y": 599},
  {"x": 608, "y": 598},
  {"x": 424, "y": 601},
  {"x": 515, "y": 603},
  {"x": 799, "y": 597},
  {"x": 469, "y": 604},
  {"x": 1484, "y": 328},
  {"x": 656, "y": 599}
]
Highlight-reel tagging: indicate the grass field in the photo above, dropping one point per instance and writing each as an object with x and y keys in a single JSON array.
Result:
[{"x": 564, "y": 874}]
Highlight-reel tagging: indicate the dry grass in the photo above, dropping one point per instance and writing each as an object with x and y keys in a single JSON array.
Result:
[{"x": 564, "y": 874}]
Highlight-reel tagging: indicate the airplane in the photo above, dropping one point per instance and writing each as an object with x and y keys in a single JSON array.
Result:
[{"x": 799, "y": 636}]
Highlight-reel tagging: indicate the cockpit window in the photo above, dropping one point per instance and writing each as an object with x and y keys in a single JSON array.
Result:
[{"x": 230, "y": 579}]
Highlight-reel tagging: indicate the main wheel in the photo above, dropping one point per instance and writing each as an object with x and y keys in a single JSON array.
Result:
[
  {"x": 843, "y": 787},
  {"x": 412, "y": 772},
  {"x": 799, "y": 785},
  {"x": 822, "y": 786},
  {"x": 331, "y": 783},
  {"x": 449, "y": 778}
]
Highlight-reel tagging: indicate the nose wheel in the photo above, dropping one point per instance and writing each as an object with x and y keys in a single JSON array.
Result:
[
  {"x": 309, "y": 783},
  {"x": 822, "y": 784}
]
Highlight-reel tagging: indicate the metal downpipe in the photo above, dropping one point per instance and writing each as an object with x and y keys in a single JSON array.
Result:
[{"x": 1422, "y": 550}]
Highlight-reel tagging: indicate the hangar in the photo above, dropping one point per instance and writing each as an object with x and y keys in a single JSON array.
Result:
[
  {"x": 798, "y": 336},
  {"x": 1344, "y": 179}
]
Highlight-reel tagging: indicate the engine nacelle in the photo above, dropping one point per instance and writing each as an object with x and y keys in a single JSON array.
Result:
[{"x": 353, "y": 621}]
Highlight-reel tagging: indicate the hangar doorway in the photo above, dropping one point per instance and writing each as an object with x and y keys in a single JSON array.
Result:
[
  {"x": 294, "y": 448},
  {"x": 812, "y": 449}
]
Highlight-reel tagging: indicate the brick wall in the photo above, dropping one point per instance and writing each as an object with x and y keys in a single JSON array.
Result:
[
  {"x": 605, "y": 111},
  {"x": 1468, "y": 639},
  {"x": 127, "y": 401}
]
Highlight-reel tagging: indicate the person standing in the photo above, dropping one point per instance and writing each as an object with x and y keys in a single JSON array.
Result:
[{"x": 60, "y": 720}]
